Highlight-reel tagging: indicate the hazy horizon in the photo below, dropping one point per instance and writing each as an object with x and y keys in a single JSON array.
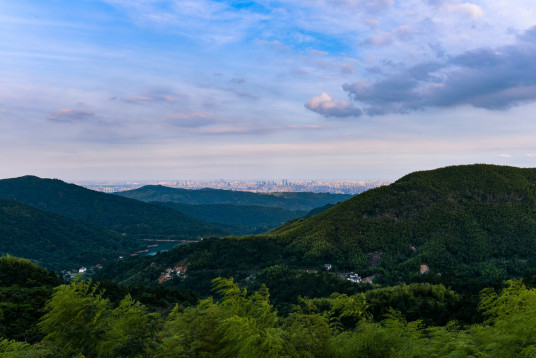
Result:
[{"x": 206, "y": 89}]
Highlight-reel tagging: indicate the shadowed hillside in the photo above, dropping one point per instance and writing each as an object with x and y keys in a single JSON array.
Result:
[
  {"x": 119, "y": 214},
  {"x": 240, "y": 219},
  {"x": 56, "y": 241}
]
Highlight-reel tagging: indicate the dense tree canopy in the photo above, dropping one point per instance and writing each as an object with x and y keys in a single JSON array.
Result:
[{"x": 80, "y": 322}]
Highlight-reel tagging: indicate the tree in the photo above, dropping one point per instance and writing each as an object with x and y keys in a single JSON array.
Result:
[
  {"x": 80, "y": 321},
  {"x": 236, "y": 326}
]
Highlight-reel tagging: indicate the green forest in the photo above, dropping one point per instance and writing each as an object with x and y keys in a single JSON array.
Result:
[{"x": 44, "y": 317}]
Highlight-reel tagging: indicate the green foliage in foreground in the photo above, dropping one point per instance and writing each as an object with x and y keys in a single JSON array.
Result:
[
  {"x": 24, "y": 289},
  {"x": 80, "y": 322}
]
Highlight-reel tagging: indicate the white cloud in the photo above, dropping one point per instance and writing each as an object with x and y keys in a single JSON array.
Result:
[
  {"x": 467, "y": 9},
  {"x": 373, "y": 23},
  {"x": 371, "y": 5},
  {"x": 378, "y": 41},
  {"x": 404, "y": 32},
  {"x": 155, "y": 97},
  {"x": 192, "y": 120},
  {"x": 70, "y": 115},
  {"x": 329, "y": 107}
]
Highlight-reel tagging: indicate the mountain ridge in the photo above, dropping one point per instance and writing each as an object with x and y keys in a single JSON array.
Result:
[
  {"x": 116, "y": 213},
  {"x": 287, "y": 200},
  {"x": 465, "y": 213}
]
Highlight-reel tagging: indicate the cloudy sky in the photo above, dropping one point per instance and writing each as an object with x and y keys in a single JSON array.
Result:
[{"x": 316, "y": 89}]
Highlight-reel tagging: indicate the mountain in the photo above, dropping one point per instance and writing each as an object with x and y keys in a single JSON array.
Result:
[
  {"x": 473, "y": 225},
  {"x": 288, "y": 200},
  {"x": 116, "y": 213},
  {"x": 239, "y": 219},
  {"x": 56, "y": 241},
  {"x": 466, "y": 220}
]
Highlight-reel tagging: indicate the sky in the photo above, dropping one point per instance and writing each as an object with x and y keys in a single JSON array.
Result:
[{"x": 315, "y": 89}]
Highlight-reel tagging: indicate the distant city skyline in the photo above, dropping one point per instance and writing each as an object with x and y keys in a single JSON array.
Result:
[
  {"x": 206, "y": 89},
  {"x": 258, "y": 186}
]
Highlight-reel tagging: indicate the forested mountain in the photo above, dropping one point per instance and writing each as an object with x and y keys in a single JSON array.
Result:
[
  {"x": 287, "y": 200},
  {"x": 54, "y": 240},
  {"x": 116, "y": 213},
  {"x": 473, "y": 225},
  {"x": 477, "y": 220},
  {"x": 239, "y": 219},
  {"x": 318, "y": 210}
]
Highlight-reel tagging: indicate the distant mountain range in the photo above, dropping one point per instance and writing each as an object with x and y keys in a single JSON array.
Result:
[{"x": 291, "y": 201}]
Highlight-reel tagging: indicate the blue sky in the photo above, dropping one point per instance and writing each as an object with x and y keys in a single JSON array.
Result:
[{"x": 318, "y": 89}]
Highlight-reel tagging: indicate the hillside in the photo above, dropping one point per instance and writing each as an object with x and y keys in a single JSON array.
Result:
[
  {"x": 288, "y": 200},
  {"x": 239, "y": 219},
  {"x": 463, "y": 220},
  {"x": 470, "y": 225},
  {"x": 116, "y": 213},
  {"x": 56, "y": 241}
]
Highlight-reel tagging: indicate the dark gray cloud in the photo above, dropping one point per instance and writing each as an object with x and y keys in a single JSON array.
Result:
[
  {"x": 70, "y": 115},
  {"x": 495, "y": 79},
  {"x": 529, "y": 35},
  {"x": 329, "y": 107}
]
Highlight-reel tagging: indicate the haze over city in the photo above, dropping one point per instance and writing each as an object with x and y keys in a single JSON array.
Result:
[
  {"x": 323, "y": 89},
  {"x": 258, "y": 186}
]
